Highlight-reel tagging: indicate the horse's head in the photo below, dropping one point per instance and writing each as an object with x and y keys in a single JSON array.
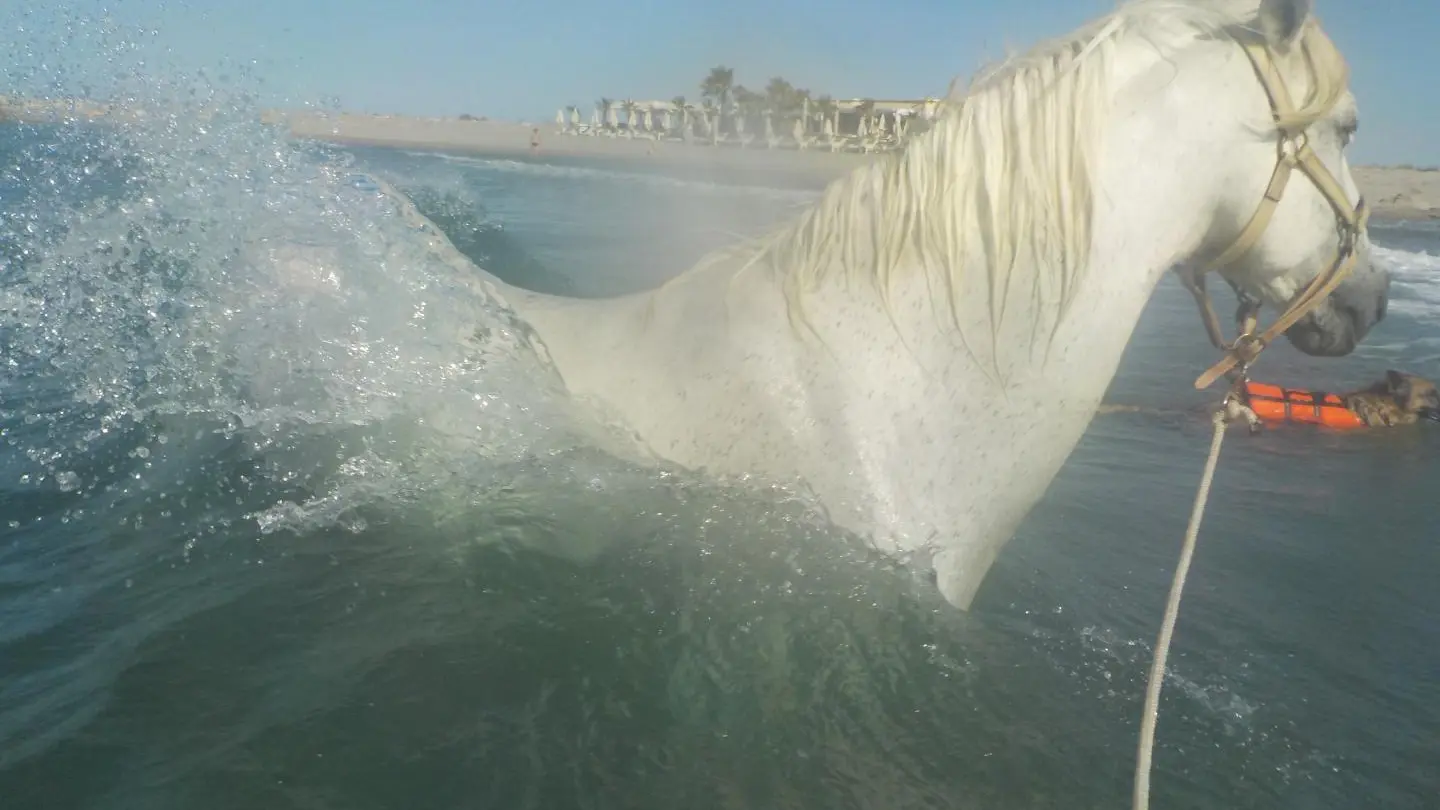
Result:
[{"x": 1283, "y": 246}]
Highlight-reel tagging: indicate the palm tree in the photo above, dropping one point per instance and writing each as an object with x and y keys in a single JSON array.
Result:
[
  {"x": 717, "y": 85},
  {"x": 602, "y": 109},
  {"x": 632, "y": 116},
  {"x": 682, "y": 111},
  {"x": 778, "y": 92},
  {"x": 784, "y": 98},
  {"x": 747, "y": 101}
]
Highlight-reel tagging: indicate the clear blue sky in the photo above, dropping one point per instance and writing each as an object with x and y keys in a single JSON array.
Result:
[{"x": 524, "y": 58}]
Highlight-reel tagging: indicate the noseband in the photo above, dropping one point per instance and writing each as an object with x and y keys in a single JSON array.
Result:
[{"x": 1292, "y": 152}]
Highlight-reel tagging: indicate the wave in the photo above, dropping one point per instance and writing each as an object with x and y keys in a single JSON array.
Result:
[
  {"x": 1418, "y": 277},
  {"x": 219, "y": 277}
]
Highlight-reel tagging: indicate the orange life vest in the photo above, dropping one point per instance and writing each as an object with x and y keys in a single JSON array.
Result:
[{"x": 1275, "y": 404}]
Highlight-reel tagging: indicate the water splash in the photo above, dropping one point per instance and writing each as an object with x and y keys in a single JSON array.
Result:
[{"x": 184, "y": 263}]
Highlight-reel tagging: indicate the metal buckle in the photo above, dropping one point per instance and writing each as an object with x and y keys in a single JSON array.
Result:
[
  {"x": 1293, "y": 146},
  {"x": 1246, "y": 348}
]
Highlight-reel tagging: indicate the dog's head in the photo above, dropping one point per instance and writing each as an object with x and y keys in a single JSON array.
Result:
[{"x": 1414, "y": 395}]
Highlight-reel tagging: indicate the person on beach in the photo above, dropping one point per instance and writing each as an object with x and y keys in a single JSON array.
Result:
[{"x": 535, "y": 140}]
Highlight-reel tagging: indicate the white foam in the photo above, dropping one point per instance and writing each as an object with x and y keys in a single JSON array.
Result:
[{"x": 1415, "y": 276}]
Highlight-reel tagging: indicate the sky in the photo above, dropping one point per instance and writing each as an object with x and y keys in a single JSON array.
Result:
[{"x": 523, "y": 59}]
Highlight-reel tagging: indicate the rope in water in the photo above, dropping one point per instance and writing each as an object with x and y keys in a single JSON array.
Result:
[{"x": 1172, "y": 611}]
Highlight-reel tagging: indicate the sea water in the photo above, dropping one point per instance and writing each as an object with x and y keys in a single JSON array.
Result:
[{"x": 289, "y": 518}]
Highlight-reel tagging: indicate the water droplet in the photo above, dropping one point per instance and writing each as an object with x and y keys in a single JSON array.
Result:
[{"x": 67, "y": 481}]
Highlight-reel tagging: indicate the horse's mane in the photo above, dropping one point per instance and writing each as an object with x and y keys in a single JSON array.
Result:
[{"x": 1003, "y": 180}]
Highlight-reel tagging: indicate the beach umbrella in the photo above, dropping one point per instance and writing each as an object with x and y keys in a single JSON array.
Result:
[
  {"x": 612, "y": 117},
  {"x": 649, "y": 120},
  {"x": 575, "y": 116}
]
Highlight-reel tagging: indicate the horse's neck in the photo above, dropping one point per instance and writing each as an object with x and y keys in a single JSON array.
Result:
[
  {"x": 904, "y": 428},
  {"x": 969, "y": 432},
  {"x": 729, "y": 313},
  {"x": 1144, "y": 224}
]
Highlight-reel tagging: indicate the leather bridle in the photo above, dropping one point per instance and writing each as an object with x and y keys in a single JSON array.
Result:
[{"x": 1292, "y": 152}]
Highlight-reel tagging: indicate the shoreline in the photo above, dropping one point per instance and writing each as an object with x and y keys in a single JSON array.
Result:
[
  {"x": 504, "y": 139},
  {"x": 1393, "y": 192}
]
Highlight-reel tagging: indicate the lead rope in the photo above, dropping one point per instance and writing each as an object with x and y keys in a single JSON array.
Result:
[
  {"x": 1231, "y": 410},
  {"x": 1294, "y": 153}
]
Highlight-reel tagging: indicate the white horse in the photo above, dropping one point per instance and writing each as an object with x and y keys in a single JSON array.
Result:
[{"x": 924, "y": 347}]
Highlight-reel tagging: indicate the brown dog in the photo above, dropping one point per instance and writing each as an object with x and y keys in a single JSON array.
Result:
[{"x": 1399, "y": 399}]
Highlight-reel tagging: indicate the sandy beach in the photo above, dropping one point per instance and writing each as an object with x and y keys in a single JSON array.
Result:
[
  {"x": 1394, "y": 192},
  {"x": 498, "y": 138},
  {"x": 1400, "y": 192}
]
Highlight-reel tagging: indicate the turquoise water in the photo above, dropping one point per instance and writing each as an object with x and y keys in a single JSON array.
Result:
[{"x": 315, "y": 535}]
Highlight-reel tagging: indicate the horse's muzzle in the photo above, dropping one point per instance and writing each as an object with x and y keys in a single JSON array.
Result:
[{"x": 1337, "y": 326}]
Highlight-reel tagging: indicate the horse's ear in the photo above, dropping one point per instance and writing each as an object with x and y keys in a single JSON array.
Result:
[
  {"x": 1282, "y": 21},
  {"x": 956, "y": 91},
  {"x": 1399, "y": 384}
]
